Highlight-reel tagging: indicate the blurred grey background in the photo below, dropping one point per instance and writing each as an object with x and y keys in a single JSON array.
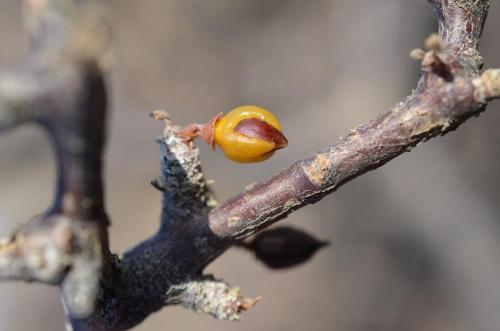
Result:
[{"x": 414, "y": 245}]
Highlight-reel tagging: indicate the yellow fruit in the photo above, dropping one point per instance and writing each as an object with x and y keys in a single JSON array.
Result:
[{"x": 248, "y": 134}]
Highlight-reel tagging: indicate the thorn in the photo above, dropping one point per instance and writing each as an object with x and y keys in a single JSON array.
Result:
[
  {"x": 158, "y": 184},
  {"x": 248, "y": 303}
]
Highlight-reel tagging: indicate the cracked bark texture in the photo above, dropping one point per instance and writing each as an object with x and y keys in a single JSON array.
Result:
[{"x": 167, "y": 268}]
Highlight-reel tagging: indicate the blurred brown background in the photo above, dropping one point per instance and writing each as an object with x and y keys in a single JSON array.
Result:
[{"x": 415, "y": 244}]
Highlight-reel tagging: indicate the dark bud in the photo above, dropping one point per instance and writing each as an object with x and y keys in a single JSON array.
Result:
[{"x": 283, "y": 247}]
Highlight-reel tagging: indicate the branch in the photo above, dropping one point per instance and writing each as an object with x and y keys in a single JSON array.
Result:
[
  {"x": 56, "y": 250},
  {"x": 61, "y": 87},
  {"x": 174, "y": 255},
  {"x": 16, "y": 90},
  {"x": 210, "y": 296},
  {"x": 435, "y": 108},
  {"x": 185, "y": 192},
  {"x": 448, "y": 93},
  {"x": 461, "y": 22}
]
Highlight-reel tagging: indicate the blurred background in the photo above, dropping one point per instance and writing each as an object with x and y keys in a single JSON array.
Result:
[{"x": 415, "y": 245}]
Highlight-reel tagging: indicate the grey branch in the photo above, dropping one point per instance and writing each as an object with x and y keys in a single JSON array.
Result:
[
  {"x": 210, "y": 296},
  {"x": 61, "y": 88},
  {"x": 16, "y": 90},
  {"x": 68, "y": 245},
  {"x": 56, "y": 250}
]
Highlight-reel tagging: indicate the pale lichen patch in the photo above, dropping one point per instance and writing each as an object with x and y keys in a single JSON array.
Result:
[
  {"x": 211, "y": 296},
  {"x": 487, "y": 86},
  {"x": 317, "y": 170}
]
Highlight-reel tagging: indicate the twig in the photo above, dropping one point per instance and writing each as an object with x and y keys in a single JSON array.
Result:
[{"x": 61, "y": 87}]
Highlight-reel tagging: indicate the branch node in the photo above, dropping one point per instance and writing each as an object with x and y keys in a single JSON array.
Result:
[
  {"x": 158, "y": 184},
  {"x": 435, "y": 63}
]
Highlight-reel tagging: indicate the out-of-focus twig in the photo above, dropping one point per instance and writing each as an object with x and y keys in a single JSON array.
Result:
[{"x": 61, "y": 87}]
